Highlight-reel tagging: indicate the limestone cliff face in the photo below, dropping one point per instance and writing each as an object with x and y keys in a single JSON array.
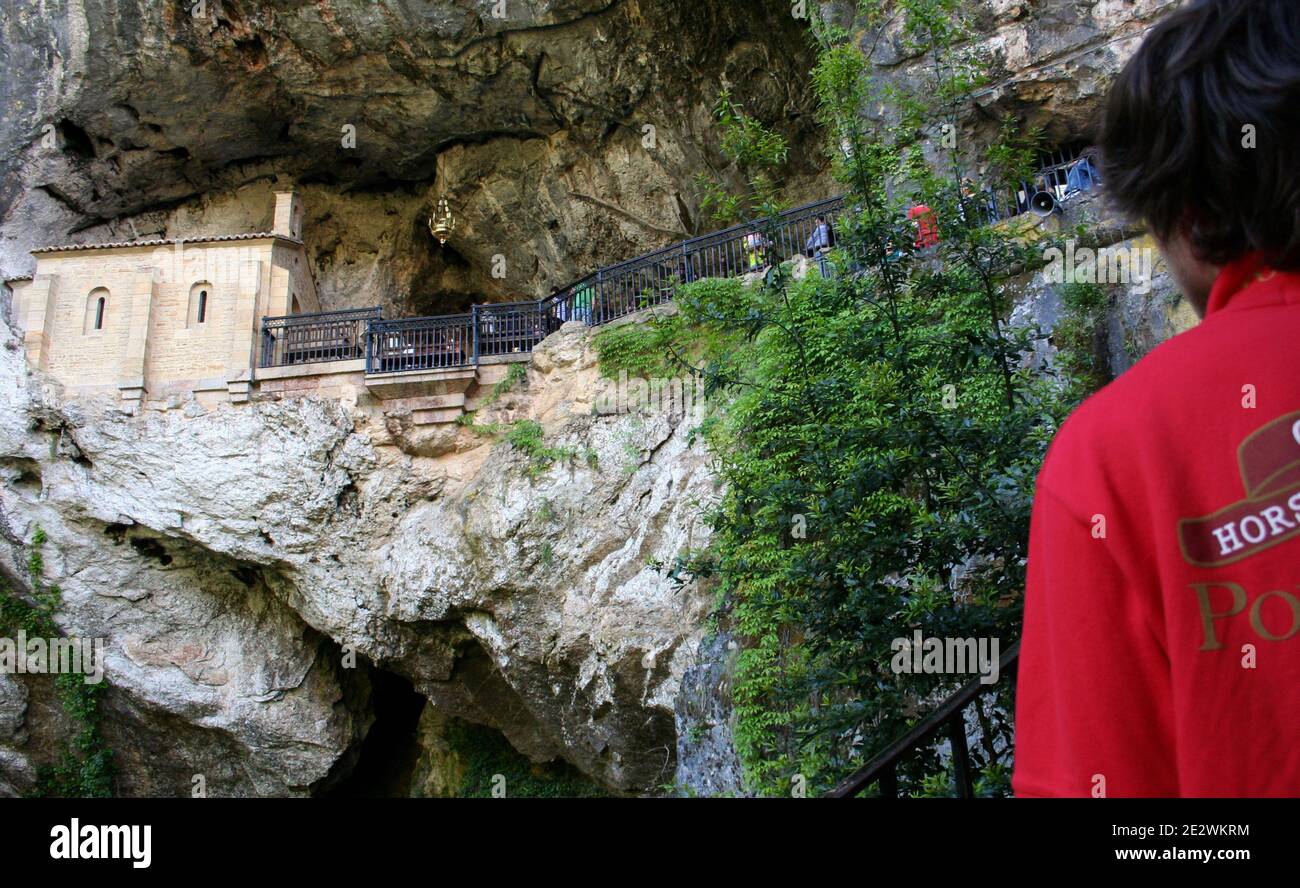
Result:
[
  {"x": 1049, "y": 61},
  {"x": 566, "y": 134},
  {"x": 232, "y": 558}
]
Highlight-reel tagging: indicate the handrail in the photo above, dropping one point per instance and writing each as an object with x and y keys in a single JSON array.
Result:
[
  {"x": 320, "y": 336},
  {"x": 949, "y": 713},
  {"x": 399, "y": 323},
  {"x": 439, "y": 342},
  {"x": 309, "y": 316},
  {"x": 608, "y": 293}
]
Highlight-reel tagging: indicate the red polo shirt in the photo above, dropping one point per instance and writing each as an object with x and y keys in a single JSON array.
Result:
[{"x": 1161, "y": 647}]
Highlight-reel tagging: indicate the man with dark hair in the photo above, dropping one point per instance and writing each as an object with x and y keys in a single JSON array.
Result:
[{"x": 1161, "y": 648}]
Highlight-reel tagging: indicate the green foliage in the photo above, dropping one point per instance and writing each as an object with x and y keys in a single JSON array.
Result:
[
  {"x": 889, "y": 415},
  {"x": 758, "y": 152},
  {"x": 84, "y": 768},
  {"x": 1013, "y": 157},
  {"x": 663, "y": 346},
  {"x": 994, "y": 782},
  {"x": 516, "y": 373},
  {"x": 1080, "y": 335},
  {"x": 640, "y": 350},
  {"x": 483, "y": 429},
  {"x": 546, "y": 511},
  {"x": 526, "y": 435},
  {"x": 488, "y": 754}
]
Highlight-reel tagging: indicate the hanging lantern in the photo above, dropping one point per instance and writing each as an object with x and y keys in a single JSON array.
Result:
[{"x": 442, "y": 223}]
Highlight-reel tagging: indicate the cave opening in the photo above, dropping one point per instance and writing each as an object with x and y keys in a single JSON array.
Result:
[{"x": 386, "y": 758}]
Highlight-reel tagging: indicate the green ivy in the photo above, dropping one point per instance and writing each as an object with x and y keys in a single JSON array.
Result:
[
  {"x": 660, "y": 347},
  {"x": 84, "y": 767},
  {"x": 758, "y": 152},
  {"x": 1081, "y": 334},
  {"x": 516, "y": 373},
  {"x": 482, "y": 429},
  {"x": 640, "y": 350},
  {"x": 526, "y": 435}
]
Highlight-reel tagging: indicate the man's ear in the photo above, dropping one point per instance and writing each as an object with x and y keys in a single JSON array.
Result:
[{"x": 1194, "y": 275}]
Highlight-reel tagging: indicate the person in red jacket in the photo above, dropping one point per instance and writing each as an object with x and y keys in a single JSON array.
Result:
[
  {"x": 927, "y": 226},
  {"x": 1161, "y": 645}
]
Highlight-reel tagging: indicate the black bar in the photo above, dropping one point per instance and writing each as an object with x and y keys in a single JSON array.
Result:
[
  {"x": 921, "y": 733},
  {"x": 889, "y": 782},
  {"x": 960, "y": 755}
]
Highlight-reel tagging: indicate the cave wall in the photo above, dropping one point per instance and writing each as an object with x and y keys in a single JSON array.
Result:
[{"x": 135, "y": 118}]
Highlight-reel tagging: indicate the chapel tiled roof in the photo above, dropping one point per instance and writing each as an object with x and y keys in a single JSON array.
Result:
[{"x": 163, "y": 242}]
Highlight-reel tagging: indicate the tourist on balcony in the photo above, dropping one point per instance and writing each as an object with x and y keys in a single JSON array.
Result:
[
  {"x": 756, "y": 250},
  {"x": 822, "y": 238},
  {"x": 561, "y": 311},
  {"x": 990, "y": 199},
  {"x": 582, "y": 303},
  {"x": 926, "y": 225},
  {"x": 820, "y": 243}
]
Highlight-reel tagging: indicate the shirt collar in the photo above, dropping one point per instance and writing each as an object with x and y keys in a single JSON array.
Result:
[{"x": 1234, "y": 278}]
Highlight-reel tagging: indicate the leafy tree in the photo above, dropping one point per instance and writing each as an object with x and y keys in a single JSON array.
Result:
[
  {"x": 882, "y": 429},
  {"x": 758, "y": 153}
]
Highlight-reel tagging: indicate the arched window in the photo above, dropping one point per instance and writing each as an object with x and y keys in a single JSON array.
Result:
[
  {"x": 96, "y": 310},
  {"x": 200, "y": 303}
]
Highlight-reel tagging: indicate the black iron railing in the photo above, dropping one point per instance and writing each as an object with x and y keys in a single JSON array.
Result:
[
  {"x": 512, "y": 327},
  {"x": 492, "y": 329},
  {"x": 652, "y": 279},
  {"x": 949, "y": 717},
  {"x": 1052, "y": 177},
  {"x": 310, "y": 338},
  {"x": 608, "y": 294},
  {"x": 612, "y": 292},
  {"x": 434, "y": 343}
]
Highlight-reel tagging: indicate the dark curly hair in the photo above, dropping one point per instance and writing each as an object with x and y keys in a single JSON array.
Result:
[{"x": 1174, "y": 140}]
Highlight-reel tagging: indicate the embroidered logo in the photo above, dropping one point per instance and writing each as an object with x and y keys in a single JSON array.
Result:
[{"x": 1270, "y": 514}]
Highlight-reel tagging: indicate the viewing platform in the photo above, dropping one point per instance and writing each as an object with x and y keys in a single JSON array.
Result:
[{"x": 234, "y": 318}]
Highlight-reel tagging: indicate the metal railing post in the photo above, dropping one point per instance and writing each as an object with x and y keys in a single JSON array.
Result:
[
  {"x": 370, "y": 344},
  {"x": 947, "y": 716},
  {"x": 961, "y": 765},
  {"x": 473, "y": 314},
  {"x": 889, "y": 783}
]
